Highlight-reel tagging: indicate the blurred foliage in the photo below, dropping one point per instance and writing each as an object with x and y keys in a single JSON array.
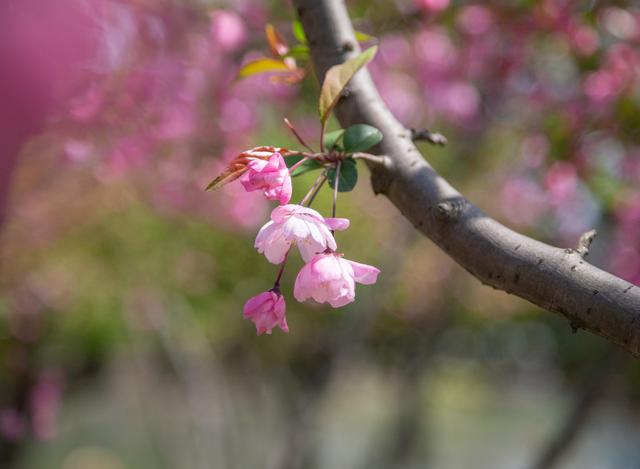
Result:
[{"x": 121, "y": 333}]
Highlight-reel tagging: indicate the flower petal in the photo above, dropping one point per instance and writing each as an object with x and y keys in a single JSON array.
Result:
[
  {"x": 338, "y": 224},
  {"x": 363, "y": 273}
]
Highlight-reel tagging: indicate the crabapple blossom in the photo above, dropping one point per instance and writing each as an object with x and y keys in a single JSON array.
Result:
[
  {"x": 266, "y": 311},
  {"x": 301, "y": 225},
  {"x": 330, "y": 278},
  {"x": 270, "y": 176}
]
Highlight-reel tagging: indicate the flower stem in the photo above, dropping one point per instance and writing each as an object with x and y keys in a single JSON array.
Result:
[
  {"x": 292, "y": 168},
  {"x": 322, "y": 127},
  {"x": 308, "y": 199},
  {"x": 336, "y": 188},
  {"x": 276, "y": 285},
  {"x": 313, "y": 196}
]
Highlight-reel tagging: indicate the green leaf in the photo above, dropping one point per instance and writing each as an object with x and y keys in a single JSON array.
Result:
[
  {"x": 364, "y": 37},
  {"x": 348, "y": 176},
  {"x": 307, "y": 166},
  {"x": 332, "y": 138},
  {"x": 337, "y": 78},
  {"x": 299, "y": 51},
  {"x": 361, "y": 137},
  {"x": 298, "y": 32},
  {"x": 262, "y": 66}
]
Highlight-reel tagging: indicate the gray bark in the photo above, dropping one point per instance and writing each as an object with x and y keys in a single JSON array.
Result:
[{"x": 559, "y": 280}]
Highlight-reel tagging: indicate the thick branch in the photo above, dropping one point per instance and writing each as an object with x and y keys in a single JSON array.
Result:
[{"x": 558, "y": 280}]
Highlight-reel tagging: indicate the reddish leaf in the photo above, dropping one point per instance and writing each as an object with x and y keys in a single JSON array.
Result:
[
  {"x": 238, "y": 166},
  {"x": 277, "y": 44},
  {"x": 337, "y": 78}
]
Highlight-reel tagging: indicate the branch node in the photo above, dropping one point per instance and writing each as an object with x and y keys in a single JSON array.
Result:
[
  {"x": 426, "y": 135},
  {"x": 347, "y": 46},
  {"x": 452, "y": 208},
  {"x": 381, "y": 160},
  {"x": 585, "y": 242}
]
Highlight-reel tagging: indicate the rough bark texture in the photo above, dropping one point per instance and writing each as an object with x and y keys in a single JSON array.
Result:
[{"x": 556, "y": 279}]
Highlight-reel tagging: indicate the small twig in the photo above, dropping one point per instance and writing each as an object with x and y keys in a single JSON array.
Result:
[
  {"x": 585, "y": 242},
  {"x": 377, "y": 159},
  {"x": 292, "y": 168},
  {"x": 297, "y": 135},
  {"x": 427, "y": 136}
]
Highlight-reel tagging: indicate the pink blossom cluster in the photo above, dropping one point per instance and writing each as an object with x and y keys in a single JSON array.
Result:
[
  {"x": 326, "y": 277},
  {"x": 159, "y": 89}
]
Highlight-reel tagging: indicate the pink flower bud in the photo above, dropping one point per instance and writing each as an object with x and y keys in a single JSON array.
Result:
[
  {"x": 330, "y": 278},
  {"x": 270, "y": 176},
  {"x": 266, "y": 311}
]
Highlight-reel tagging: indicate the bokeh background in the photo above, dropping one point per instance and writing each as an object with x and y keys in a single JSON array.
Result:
[{"x": 122, "y": 342}]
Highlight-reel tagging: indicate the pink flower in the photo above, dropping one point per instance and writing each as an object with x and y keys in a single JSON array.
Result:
[
  {"x": 301, "y": 225},
  {"x": 266, "y": 311},
  {"x": 227, "y": 30},
  {"x": 330, "y": 278},
  {"x": 271, "y": 176}
]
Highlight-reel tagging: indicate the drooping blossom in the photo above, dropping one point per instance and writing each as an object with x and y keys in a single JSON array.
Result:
[
  {"x": 270, "y": 176},
  {"x": 301, "y": 225},
  {"x": 329, "y": 278},
  {"x": 266, "y": 311}
]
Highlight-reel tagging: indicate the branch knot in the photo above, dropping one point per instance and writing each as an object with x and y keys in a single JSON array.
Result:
[
  {"x": 451, "y": 209},
  {"x": 585, "y": 242}
]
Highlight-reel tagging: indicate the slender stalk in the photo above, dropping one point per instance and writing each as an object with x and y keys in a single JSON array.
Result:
[
  {"x": 276, "y": 285},
  {"x": 322, "y": 127},
  {"x": 313, "y": 196},
  {"x": 292, "y": 168},
  {"x": 297, "y": 135},
  {"x": 314, "y": 189},
  {"x": 336, "y": 188}
]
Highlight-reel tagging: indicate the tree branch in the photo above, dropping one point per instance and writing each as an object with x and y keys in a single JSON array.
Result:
[{"x": 556, "y": 279}]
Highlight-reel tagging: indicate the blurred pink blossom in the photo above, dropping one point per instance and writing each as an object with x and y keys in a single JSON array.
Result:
[
  {"x": 459, "y": 101},
  {"x": 561, "y": 181},
  {"x": 602, "y": 86},
  {"x": 13, "y": 425},
  {"x": 534, "y": 150},
  {"x": 434, "y": 49},
  {"x": 474, "y": 20},
  {"x": 227, "y": 30},
  {"x": 395, "y": 50},
  {"x": 433, "y": 5},
  {"x": 584, "y": 39},
  {"x": 523, "y": 201},
  {"x": 625, "y": 259}
]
